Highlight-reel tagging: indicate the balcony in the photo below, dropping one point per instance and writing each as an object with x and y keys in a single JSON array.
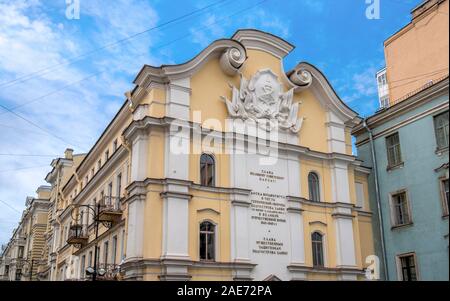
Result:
[
  {"x": 78, "y": 235},
  {"x": 110, "y": 210}
]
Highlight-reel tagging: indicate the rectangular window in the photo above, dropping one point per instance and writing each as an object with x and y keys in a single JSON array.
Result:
[
  {"x": 407, "y": 265},
  {"x": 394, "y": 153},
  {"x": 105, "y": 252},
  {"x": 445, "y": 195},
  {"x": 86, "y": 180},
  {"x": 99, "y": 164},
  {"x": 98, "y": 254},
  {"x": 400, "y": 209},
  {"x": 119, "y": 185},
  {"x": 83, "y": 267},
  {"x": 90, "y": 259},
  {"x": 110, "y": 187},
  {"x": 6, "y": 270},
  {"x": 20, "y": 252},
  {"x": 106, "y": 155},
  {"x": 122, "y": 246},
  {"x": 441, "y": 130},
  {"x": 114, "y": 250},
  {"x": 92, "y": 172},
  {"x": 18, "y": 274},
  {"x": 360, "y": 195},
  {"x": 115, "y": 145}
]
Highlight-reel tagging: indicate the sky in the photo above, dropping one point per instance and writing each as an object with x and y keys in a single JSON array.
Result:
[{"x": 63, "y": 74}]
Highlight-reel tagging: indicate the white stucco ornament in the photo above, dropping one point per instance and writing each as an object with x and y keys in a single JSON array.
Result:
[{"x": 262, "y": 100}]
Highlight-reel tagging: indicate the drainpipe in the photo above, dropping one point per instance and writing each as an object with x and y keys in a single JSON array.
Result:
[{"x": 378, "y": 198}]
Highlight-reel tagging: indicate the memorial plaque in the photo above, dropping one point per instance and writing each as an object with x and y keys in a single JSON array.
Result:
[{"x": 269, "y": 231}]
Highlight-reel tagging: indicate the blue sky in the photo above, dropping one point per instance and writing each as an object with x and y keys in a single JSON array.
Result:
[{"x": 74, "y": 96}]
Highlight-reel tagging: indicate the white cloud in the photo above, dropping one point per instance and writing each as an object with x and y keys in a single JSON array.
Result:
[
  {"x": 30, "y": 40},
  {"x": 216, "y": 25}
]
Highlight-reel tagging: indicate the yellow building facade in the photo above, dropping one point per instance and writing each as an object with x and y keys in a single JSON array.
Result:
[{"x": 222, "y": 168}]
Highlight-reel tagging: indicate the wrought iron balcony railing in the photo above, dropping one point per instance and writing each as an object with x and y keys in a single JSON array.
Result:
[
  {"x": 111, "y": 272},
  {"x": 110, "y": 210},
  {"x": 78, "y": 235}
]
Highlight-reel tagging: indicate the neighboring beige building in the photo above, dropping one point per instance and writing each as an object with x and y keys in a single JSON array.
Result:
[
  {"x": 21, "y": 258},
  {"x": 417, "y": 55},
  {"x": 62, "y": 170}
]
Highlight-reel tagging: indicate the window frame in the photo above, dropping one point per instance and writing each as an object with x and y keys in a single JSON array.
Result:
[
  {"x": 83, "y": 267},
  {"x": 317, "y": 186},
  {"x": 393, "y": 212},
  {"x": 322, "y": 248},
  {"x": 446, "y": 132},
  {"x": 114, "y": 249},
  {"x": 18, "y": 275},
  {"x": 444, "y": 198},
  {"x": 213, "y": 172},
  {"x": 105, "y": 252},
  {"x": 398, "y": 259},
  {"x": 400, "y": 162},
  {"x": 215, "y": 242}
]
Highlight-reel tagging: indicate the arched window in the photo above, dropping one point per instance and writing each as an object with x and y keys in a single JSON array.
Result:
[
  {"x": 314, "y": 187},
  {"x": 207, "y": 241},
  {"x": 207, "y": 170},
  {"x": 317, "y": 249}
]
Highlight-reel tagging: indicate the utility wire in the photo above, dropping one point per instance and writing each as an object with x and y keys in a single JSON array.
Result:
[
  {"x": 420, "y": 75},
  {"x": 25, "y": 130},
  {"x": 23, "y": 168},
  {"x": 38, "y": 126},
  {"x": 9, "y": 206},
  {"x": 44, "y": 71},
  {"x": 28, "y": 155},
  {"x": 53, "y": 92},
  {"x": 161, "y": 46}
]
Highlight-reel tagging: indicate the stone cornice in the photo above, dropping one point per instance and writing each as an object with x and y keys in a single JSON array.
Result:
[
  {"x": 147, "y": 122},
  {"x": 140, "y": 187},
  {"x": 105, "y": 170},
  {"x": 413, "y": 102}
]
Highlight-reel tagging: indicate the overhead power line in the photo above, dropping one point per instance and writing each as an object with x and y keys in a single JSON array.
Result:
[
  {"x": 11, "y": 110},
  {"x": 9, "y": 206},
  {"x": 23, "y": 168},
  {"x": 46, "y": 70},
  {"x": 28, "y": 155},
  {"x": 37, "y": 126},
  {"x": 420, "y": 75}
]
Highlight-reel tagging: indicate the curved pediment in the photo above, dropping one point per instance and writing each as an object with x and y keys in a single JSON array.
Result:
[
  {"x": 325, "y": 93},
  {"x": 233, "y": 57}
]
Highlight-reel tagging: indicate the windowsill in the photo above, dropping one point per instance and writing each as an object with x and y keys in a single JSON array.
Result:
[
  {"x": 402, "y": 226},
  {"x": 397, "y": 166},
  {"x": 441, "y": 151},
  {"x": 207, "y": 261}
]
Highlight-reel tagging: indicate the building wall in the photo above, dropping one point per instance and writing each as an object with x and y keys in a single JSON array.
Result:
[
  {"x": 418, "y": 53},
  {"x": 428, "y": 234}
]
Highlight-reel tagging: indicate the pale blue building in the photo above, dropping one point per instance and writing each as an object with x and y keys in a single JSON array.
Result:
[{"x": 410, "y": 146}]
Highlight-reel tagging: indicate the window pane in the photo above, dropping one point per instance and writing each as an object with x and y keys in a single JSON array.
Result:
[
  {"x": 207, "y": 170},
  {"x": 313, "y": 184},
  {"x": 441, "y": 125},
  {"x": 210, "y": 246},
  {"x": 317, "y": 249},
  {"x": 202, "y": 246}
]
